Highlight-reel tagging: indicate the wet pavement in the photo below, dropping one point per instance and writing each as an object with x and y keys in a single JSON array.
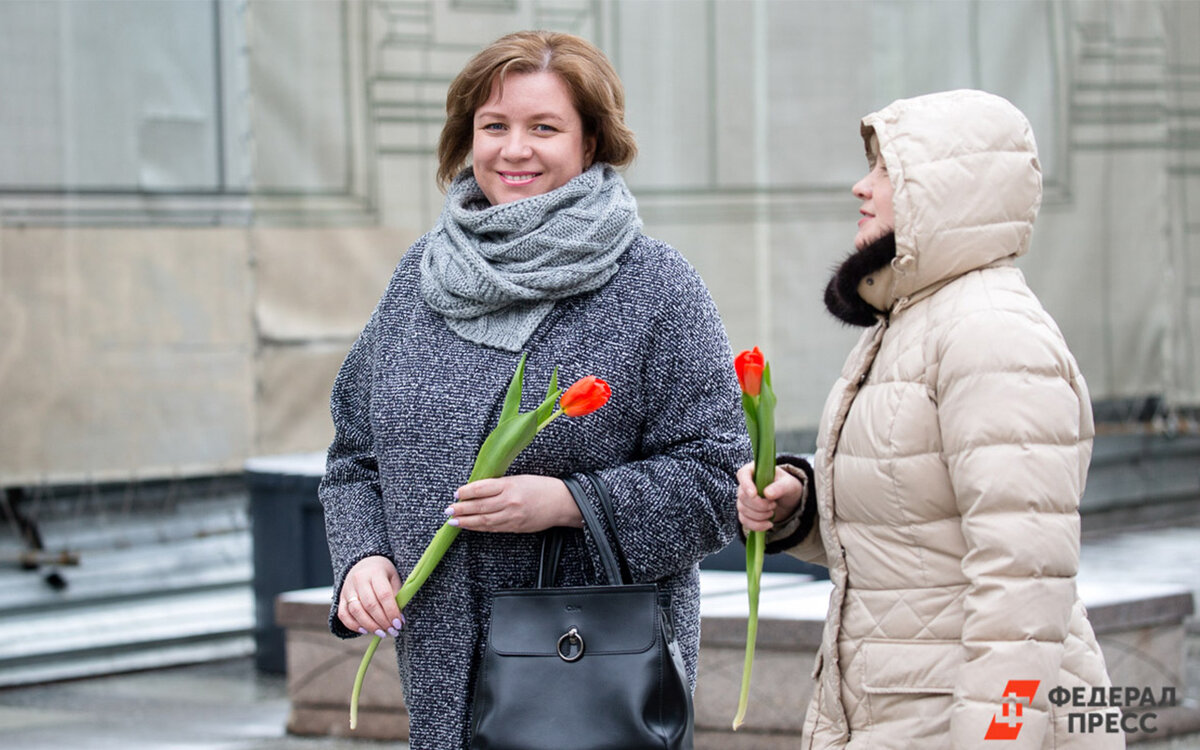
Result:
[
  {"x": 216, "y": 706},
  {"x": 230, "y": 706}
]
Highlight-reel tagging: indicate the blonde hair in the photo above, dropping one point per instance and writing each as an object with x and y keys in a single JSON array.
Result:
[{"x": 595, "y": 88}]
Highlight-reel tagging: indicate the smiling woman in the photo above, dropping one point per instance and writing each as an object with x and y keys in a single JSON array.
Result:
[
  {"x": 577, "y": 85},
  {"x": 529, "y": 138},
  {"x": 538, "y": 250}
]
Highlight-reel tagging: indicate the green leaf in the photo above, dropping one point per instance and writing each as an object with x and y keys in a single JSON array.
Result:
[
  {"x": 764, "y": 450},
  {"x": 503, "y": 444},
  {"x": 553, "y": 388},
  {"x": 512, "y": 399},
  {"x": 544, "y": 409}
]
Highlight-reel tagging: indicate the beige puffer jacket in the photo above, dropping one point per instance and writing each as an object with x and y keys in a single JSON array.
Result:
[{"x": 951, "y": 458}]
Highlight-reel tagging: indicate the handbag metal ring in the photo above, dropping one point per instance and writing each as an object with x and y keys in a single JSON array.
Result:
[{"x": 569, "y": 639}]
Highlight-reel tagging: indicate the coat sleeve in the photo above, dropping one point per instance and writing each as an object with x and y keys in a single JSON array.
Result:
[
  {"x": 1016, "y": 430},
  {"x": 676, "y": 502},
  {"x": 800, "y": 534},
  {"x": 350, "y": 490}
]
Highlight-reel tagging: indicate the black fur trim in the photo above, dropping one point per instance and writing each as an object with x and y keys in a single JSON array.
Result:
[
  {"x": 808, "y": 507},
  {"x": 841, "y": 294},
  {"x": 808, "y": 511}
]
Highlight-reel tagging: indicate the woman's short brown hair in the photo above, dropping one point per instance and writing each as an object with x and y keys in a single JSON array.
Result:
[{"x": 597, "y": 91}]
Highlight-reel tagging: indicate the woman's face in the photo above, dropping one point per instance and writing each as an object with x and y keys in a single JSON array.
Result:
[
  {"x": 529, "y": 140},
  {"x": 875, "y": 192}
]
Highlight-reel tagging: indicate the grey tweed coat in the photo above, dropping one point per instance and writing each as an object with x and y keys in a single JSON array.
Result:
[{"x": 413, "y": 402}]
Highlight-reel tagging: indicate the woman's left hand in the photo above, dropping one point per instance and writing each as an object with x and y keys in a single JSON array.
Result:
[{"x": 518, "y": 504}]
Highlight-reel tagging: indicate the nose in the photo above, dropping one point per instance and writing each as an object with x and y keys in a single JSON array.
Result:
[
  {"x": 516, "y": 146},
  {"x": 862, "y": 188}
]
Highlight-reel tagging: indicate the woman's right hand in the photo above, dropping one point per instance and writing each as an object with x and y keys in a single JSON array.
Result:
[
  {"x": 368, "y": 600},
  {"x": 781, "y": 498}
]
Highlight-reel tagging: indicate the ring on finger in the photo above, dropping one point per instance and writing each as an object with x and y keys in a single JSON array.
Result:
[{"x": 351, "y": 598}]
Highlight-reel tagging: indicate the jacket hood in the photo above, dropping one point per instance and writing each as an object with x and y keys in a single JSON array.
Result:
[{"x": 966, "y": 183}]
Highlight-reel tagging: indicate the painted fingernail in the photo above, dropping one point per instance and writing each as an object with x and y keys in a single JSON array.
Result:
[
  {"x": 449, "y": 510},
  {"x": 397, "y": 623},
  {"x": 363, "y": 631},
  {"x": 456, "y": 494},
  {"x": 380, "y": 633},
  {"x": 452, "y": 522},
  {"x": 393, "y": 632}
]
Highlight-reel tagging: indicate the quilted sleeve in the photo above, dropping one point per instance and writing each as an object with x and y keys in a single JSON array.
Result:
[
  {"x": 798, "y": 534},
  {"x": 1016, "y": 429}
]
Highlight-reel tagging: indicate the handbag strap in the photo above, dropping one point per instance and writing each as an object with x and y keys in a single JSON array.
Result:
[
  {"x": 552, "y": 544},
  {"x": 608, "y": 560},
  {"x": 606, "y": 505}
]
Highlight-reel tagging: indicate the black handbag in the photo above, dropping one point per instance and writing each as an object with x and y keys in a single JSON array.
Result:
[{"x": 584, "y": 667}]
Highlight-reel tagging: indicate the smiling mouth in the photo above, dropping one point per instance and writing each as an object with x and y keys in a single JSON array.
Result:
[{"x": 518, "y": 178}]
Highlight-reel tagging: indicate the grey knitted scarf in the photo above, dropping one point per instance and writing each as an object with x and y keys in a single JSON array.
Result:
[{"x": 494, "y": 272}]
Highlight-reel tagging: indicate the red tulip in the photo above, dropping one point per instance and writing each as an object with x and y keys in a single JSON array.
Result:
[
  {"x": 584, "y": 397},
  {"x": 749, "y": 366},
  {"x": 758, "y": 404}
]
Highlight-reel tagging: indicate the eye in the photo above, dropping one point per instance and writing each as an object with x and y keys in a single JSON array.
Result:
[
  {"x": 544, "y": 128},
  {"x": 494, "y": 127}
]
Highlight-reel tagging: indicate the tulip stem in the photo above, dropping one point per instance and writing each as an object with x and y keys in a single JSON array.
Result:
[
  {"x": 420, "y": 573},
  {"x": 358, "y": 680},
  {"x": 557, "y": 413},
  {"x": 429, "y": 560},
  {"x": 755, "y": 543}
]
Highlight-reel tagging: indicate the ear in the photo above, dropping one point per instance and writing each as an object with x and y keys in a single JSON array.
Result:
[{"x": 589, "y": 151}]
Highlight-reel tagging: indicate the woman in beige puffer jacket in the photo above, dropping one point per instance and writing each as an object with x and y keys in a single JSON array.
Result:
[{"x": 951, "y": 456}]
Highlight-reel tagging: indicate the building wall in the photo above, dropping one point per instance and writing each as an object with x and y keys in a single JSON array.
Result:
[{"x": 200, "y": 202}]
